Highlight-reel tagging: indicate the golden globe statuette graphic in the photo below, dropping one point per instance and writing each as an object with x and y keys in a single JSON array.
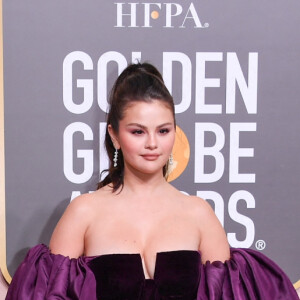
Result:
[{"x": 181, "y": 155}]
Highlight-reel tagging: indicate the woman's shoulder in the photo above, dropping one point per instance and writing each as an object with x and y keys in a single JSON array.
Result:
[
  {"x": 81, "y": 205},
  {"x": 89, "y": 201},
  {"x": 203, "y": 212},
  {"x": 68, "y": 238},
  {"x": 197, "y": 205}
]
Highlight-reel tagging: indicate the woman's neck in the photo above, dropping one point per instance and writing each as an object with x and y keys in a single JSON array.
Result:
[{"x": 143, "y": 184}]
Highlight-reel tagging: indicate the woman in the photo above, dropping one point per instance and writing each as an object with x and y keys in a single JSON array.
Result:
[{"x": 137, "y": 237}]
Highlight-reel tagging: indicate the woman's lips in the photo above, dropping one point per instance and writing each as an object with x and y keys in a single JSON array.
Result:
[{"x": 150, "y": 156}]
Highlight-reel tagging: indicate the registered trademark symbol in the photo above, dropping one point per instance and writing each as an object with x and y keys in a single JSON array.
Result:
[
  {"x": 206, "y": 25},
  {"x": 260, "y": 245}
]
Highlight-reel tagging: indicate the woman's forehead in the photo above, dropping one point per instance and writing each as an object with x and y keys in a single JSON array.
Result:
[
  {"x": 143, "y": 110},
  {"x": 138, "y": 105}
]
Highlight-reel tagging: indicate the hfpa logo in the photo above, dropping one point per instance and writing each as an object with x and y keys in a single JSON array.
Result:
[{"x": 171, "y": 12}]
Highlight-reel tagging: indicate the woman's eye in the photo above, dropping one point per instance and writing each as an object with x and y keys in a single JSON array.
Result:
[
  {"x": 164, "y": 131},
  {"x": 137, "y": 132}
]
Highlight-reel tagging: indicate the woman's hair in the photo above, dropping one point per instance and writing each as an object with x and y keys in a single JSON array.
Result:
[{"x": 138, "y": 82}]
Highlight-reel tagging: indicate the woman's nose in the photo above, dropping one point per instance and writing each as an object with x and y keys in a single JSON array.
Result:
[{"x": 151, "y": 142}]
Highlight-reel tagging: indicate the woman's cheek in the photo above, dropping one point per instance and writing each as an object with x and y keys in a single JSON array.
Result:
[{"x": 132, "y": 143}]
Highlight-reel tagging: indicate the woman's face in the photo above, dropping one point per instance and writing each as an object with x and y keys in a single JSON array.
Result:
[{"x": 146, "y": 136}]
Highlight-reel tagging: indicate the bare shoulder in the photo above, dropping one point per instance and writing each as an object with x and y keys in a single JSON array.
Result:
[
  {"x": 198, "y": 206},
  {"x": 69, "y": 234},
  {"x": 82, "y": 203},
  {"x": 201, "y": 208},
  {"x": 88, "y": 203},
  {"x": 213, "y": 244}
]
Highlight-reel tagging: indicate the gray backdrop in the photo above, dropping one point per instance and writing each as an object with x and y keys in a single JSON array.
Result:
[{"x": 233, "y": 68}]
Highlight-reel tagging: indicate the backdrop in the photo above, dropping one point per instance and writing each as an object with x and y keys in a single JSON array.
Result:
[{"x": 233, "y": 68}]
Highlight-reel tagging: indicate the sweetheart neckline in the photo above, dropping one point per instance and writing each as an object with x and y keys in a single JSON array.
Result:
[{"x": 141, "y": 259}]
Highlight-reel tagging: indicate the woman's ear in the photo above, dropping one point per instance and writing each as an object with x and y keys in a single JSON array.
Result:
[{"x": 113, "y": 137}]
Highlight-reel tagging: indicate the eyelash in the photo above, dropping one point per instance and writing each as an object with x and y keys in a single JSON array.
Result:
[
  {"x": 161, "y": 131},
  {"x": 137, "y": 132},
  {"x": 164, "y": 131}
]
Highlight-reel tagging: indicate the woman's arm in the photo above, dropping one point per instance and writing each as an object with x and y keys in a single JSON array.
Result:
[
  {"x": 68, "y": 236},
  {"x": 213, "y": 244}
]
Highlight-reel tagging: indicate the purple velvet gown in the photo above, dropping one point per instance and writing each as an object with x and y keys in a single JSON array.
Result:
[{"x": 179, "y": 275}]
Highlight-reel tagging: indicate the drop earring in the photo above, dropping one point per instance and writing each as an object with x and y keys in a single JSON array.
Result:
[
  {"x": 171, "y": 161},
  {"x": 115, "y": 158}
]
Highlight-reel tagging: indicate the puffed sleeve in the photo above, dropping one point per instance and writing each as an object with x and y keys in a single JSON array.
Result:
[
  {"x": 43, "y": 275},
  {"x": 247, "y": 275}
]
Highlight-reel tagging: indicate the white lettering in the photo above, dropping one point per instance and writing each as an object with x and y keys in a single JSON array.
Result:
[
  {"x": 202, "y": 82},
  {"x": 147, "y": 13},
  {"x": 86, "y": 84},
  {"x": 86, "y": 155},
  {"x": 213, "y": 151},
  {"x": 136, "y": 57},
  {"x": 193, "y": 16},
  {"x": 103, "y": 61},
  {"x": 241, "y": 219},
  {"x": 169, "y": 13},
  {"x": 236, "y": 152},
  {"x": 235, "y": 75},
  {"x": 183, "y": 59},
  {"x": 132, "y": 14}
]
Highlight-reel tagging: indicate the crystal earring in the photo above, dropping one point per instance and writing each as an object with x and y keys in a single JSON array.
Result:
[
  {"x": 115, "y": 157},
  {"x": 171, "y": 161}
]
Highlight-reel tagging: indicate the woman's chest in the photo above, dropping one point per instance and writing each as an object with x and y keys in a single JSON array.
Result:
[
  {"x": 128, "y": 235},
  {"x": 134, "y": 234}
]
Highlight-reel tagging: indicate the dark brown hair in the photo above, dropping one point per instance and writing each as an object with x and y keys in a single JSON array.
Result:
[{"x": 138, "y": 82}]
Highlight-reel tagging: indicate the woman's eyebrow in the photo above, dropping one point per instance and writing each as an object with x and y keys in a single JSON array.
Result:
[
  {"x": 136, "y": 124},
  {"x": 165, "y": 124},
  {"x": 145, "y": 127}
]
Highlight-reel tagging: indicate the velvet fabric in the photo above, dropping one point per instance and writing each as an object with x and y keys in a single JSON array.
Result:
[
  {"x": 121, "y": 276},
  {"x": 248, "y": 275}
]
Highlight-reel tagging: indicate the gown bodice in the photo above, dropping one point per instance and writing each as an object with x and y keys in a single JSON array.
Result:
[
  {"x": 178, "y": 275},
  {"x": 121, "y": 276}
]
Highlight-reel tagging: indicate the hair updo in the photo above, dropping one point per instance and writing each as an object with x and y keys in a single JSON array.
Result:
[{"x": 138, "y": 82}]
